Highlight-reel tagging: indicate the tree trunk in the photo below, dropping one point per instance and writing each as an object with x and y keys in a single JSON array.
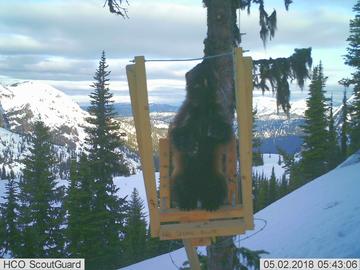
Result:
[{"x": 221, "y": 38}]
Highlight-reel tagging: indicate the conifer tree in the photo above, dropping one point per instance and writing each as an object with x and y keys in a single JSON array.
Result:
[
  {"x": 104, "y": 139},
  {"x": 293, "y": 170},
  {"x": 263, "y": 192},
  {"x": 135, "y": 231},
  {"x": 272, "y": 187},
  {"x": 3, "y": 172},
  {"x": 79, "y": 215},
  {"x": 333, "y": 152},
  {"x": 353, "y": 59},
  {"x": 9, "y": 211},
  {"x": 71, "y": 204},
  {"x": 354, "y": 125},
  {"x": 257, "y": 156},
  {"x": 314, "y": 154},
  {"x": 40, "y": 212},
  {"x": 2, "y": 235},
  {"x": 108, "y": 211},
  {"x": 344, "y": 127},
  {"x": 256, "y": 183},
  {"x": 283, "y": 189}
]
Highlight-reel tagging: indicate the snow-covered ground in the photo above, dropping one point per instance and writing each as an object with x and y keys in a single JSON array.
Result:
[
  {"x": 319, "y": 220},
  {"x": 270, "y": 161}
]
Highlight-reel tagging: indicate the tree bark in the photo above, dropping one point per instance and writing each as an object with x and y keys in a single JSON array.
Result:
[{"x": 221, "y": 38}]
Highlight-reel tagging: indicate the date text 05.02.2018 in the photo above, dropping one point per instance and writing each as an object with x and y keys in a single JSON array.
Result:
[{"x": 309, "y": 264}]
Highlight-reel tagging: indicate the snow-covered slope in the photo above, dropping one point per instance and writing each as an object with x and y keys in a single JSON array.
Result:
[
  {"x": 320, "y": 219},
  {"x": 12, "y": 149},
  {"x": 25, "y": 102}
]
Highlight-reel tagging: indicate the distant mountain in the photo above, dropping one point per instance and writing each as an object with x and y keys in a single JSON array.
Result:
[
  {"x": 21, "y": 104},
  {"x": 14, "y": 147},
  {"x": 124, "y": 109},
  {"x": 24, "y": 103},
  {"x": 275, "y": 129}
]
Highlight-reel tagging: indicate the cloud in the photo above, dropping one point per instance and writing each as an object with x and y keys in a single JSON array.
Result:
[
  {"x": 61, "y": 40},
  {"x": 321, "y": 27},
  {"x": 84, "y": 28}
]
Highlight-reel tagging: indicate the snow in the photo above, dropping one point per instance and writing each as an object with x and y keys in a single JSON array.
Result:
[
  {"x": 169, "y": 261},
  {"x": 270, "y": 161},
  {"x": 266, "y": 108},
  {"x": 25, "y": 102},
  {"x": 319, "y": 220},
  {"x": 2, "y": 190},
  {"x": 50, "y": 104},
  {"x": 355, "y": 158},
  {"x": 10, "y": 151}
]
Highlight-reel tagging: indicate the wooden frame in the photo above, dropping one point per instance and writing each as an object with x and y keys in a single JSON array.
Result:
[
  {"x": 197, "y": 227},
  {"x": 136, "y": 75}
]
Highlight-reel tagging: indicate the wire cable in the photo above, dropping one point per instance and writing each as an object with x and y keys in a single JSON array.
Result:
[
  {"x": 255, "y": 233},
  {"x": 171, "y": 258},
  {"x": 187, "y": 59}
]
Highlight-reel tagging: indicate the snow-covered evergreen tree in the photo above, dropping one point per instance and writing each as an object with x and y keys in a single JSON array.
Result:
[
  {"x": 135, "y": 231},
  {"x": 105, "y": 161},
  {"x": 283, "y": 188},
  {"x": 273, "y": 189},
  {"x": 333, "y": 151},
  {"x": 344, "y": 128},
  {"x": 353, "y": 59},
  {"x": 40, "y": 212},
  {"x": 78, "y": 203},
  {"x": 9, "y": 212},
  {"x": 315, "y": 146}
]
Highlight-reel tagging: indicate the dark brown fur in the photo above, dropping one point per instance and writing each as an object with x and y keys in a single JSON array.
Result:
[{"x": 201, "y": 126}]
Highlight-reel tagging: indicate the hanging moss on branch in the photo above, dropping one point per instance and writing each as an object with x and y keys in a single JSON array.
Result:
[{"x": 275, "y": 74}]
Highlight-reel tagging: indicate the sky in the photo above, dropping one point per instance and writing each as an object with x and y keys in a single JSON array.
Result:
[{"x": 60, "y": 41}]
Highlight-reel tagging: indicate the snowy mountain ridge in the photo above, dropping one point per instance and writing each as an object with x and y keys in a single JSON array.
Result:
[
  {"x": 24, "y": 103},
  {"x": 21, "y": 104}
]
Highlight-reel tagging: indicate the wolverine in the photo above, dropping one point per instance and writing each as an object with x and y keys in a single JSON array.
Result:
[{"x": 201, "y": 126}]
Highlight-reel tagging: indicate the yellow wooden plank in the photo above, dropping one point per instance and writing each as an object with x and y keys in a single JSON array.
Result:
[
  {"x": 202, "y": 229},
  {"x": 164, "y": 173},
  {"x": 192, "y": 255},
  {"x": 247, "y": 176},
  {"x": 203, "y": 241},
  {"x": 130, "y": 72},
  {"x": 243, "y": 93},
  {"x": 225, "y": 212},
  {"x": 140, "y": 106},
  {"x": 231, "y": 158}
]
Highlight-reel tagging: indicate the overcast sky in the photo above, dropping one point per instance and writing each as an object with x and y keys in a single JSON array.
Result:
[{"x": 60, "y": 41}]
